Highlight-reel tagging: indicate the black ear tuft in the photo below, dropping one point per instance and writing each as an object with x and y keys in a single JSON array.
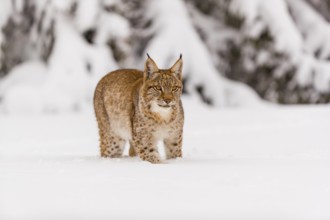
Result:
[
  {"x": 177, "y": 68},
  {"x": 150, "y": 67}
]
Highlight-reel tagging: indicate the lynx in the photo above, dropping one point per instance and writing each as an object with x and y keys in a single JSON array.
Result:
[{"x": 142, "y": 107}]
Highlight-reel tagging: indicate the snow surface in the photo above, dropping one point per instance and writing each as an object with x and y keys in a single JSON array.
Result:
[{"x": 261, "y": 163}]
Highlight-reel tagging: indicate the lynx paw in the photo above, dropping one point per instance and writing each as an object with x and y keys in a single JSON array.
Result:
[{"x": 152, "y": 158}]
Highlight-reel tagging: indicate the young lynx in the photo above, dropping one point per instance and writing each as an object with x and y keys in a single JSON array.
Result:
[{"x": 142, "y": 108}]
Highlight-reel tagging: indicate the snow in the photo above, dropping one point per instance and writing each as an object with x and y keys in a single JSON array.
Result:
[
  {"x": 62, "y": 5},
  {"x": 273, "y": 14},
  {"x": 315, "y": 28},
  {"x": 86, "y": 14},
  {"x": 302, "y": 34},
  {"x": 269, "y": 163},
  {"x": 316, "y": 32},
  {"x": 32, "y": 72},
  {"x": 23, "y": 84},
  {"x": 65, "y": 84},
  {"x": 112, "y": 25},
  {"x": 75, "y": 65},
  {"x": 5, "y": 11}
]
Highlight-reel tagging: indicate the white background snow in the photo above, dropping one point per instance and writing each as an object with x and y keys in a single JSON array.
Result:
[
  {"x": 258, "y": 163},
  {"x": 255, "y": 161}
]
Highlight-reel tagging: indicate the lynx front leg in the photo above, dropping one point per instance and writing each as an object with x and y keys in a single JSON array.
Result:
[
  {"x": 173, "y": 147},
  {"x": 146, "y": 147}
]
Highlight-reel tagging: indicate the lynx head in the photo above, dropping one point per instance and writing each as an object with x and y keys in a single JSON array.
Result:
[{"x": 162, "y": 88}]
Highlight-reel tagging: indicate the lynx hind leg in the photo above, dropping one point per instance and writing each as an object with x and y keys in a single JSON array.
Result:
[
  {"x": 173, "y": 147},
  {"x": 102, "y": 122},
  {"x": 115, "y": 147},
  {"x": 111, "y": 145}
]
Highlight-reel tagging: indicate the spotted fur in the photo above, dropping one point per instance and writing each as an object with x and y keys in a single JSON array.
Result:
[{"x": 142, "y": 107}]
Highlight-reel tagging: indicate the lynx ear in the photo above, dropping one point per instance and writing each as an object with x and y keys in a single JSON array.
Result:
[
  {"x": 150, "y": 67},
  {"x": 177, "y": 68}
]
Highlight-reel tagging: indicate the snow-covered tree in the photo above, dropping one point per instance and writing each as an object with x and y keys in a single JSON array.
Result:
[
  {"x": 53, "y": 52},
  {"x": 278, "y": 47}
]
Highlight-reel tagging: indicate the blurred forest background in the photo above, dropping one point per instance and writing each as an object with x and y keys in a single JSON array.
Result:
[{"x": 236, "y": 52}]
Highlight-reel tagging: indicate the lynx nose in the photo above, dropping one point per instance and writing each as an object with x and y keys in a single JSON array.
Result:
[{"x": 167, "y": 101}]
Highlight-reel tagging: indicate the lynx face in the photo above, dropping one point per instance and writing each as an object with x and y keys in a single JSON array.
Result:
[{"x": 162, "y": 88}]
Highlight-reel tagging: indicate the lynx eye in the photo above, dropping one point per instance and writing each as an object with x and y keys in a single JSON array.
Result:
[
  {"x": 175, "y": 88},
  {"x": 158, "y": 88}
]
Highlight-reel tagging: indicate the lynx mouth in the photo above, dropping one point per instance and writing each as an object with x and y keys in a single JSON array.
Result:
[{"x": 164, "y": 106}]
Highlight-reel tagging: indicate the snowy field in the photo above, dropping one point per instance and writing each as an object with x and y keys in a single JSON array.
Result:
[{"x": 263, "y": 163}]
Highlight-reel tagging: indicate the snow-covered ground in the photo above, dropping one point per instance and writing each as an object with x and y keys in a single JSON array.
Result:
[{"x": 262, "y": 163}]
